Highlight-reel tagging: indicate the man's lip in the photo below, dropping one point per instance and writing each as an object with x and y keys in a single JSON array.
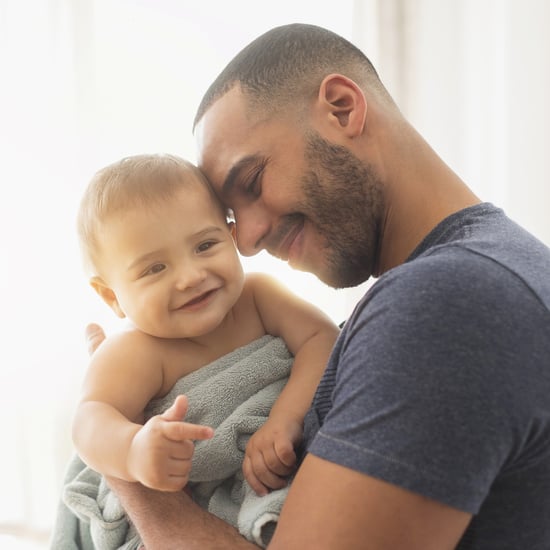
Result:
[{"x": 284, "y": 250}]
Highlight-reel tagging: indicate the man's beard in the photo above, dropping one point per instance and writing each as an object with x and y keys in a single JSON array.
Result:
[{"x": 344, "y": 200}]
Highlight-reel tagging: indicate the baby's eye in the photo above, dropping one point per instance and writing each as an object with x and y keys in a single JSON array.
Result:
[
  {"x": 156, "y": 268},
  {"x": 207, "y": 245}
]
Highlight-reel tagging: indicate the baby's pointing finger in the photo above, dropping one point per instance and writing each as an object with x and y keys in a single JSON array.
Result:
[{"x": 180, "y": 431}]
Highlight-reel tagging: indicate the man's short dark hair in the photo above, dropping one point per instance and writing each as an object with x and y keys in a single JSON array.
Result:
[{"x": 286, "y": 65}]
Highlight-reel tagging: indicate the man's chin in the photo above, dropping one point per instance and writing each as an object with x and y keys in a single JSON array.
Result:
[
  {"x": 325, "y": 276},
  {"x": 339, "y": 278},
  {"x": 331, "y": 273}
]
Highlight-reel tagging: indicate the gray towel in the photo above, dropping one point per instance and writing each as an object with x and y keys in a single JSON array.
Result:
[{"x": 234, "y": 395}]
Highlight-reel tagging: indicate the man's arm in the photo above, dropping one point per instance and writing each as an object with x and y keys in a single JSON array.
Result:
[
  {"x": 331, "y": 507},
  {"x": 172, "y": 521}
]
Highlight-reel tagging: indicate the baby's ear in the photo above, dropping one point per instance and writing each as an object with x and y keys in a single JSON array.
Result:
[{"x": 107, "y": 295}]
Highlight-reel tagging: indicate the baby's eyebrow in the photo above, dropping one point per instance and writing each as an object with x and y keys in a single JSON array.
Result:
[
  {"x": 235, "y": 171},
  {"x": 142, "y": 259},
  {"x": 211, "y": 230}
]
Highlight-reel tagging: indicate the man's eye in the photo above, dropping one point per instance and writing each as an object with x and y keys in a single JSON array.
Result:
[
  {"x": 254, "y": 185},
  {"x": 157, "y": 268}
]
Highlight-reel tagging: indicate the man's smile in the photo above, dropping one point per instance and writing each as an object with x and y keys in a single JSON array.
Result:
[{"x": 284, "y": 245}]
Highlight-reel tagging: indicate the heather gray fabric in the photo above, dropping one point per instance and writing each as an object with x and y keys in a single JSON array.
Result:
[{"x": 440, "y": 380}]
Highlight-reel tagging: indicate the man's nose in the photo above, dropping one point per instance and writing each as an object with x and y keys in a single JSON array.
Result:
[{"x": 252, "y": 226}]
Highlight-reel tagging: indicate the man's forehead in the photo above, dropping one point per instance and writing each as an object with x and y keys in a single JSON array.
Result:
[
  {"x": 228, "y": 108},
  {"x": 221, "y": 135}
]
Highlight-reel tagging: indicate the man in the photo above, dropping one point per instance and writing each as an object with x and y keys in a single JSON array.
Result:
[{"x": 431, "y": 427}]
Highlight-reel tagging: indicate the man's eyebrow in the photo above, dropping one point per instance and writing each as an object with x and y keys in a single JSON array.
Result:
[{"x": 235, "y": 172}]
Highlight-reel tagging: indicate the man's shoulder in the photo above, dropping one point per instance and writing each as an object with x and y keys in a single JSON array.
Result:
[
  {"x": 454, "y": 290},
  {"x": 448, "y": 274}
]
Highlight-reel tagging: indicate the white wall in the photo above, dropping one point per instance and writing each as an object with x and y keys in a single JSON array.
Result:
[{"x": 473, "y": 76}]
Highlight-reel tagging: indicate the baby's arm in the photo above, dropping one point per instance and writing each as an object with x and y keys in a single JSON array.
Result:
[
  {"x": 124, "y": 375},
  {"x": 310, "y": 335}
]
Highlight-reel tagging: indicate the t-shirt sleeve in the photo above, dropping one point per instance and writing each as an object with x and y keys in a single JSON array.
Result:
[{"x": 422, "y": 391}]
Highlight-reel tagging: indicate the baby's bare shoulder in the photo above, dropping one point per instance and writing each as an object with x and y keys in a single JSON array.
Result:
[{"x": 131, "y": 343}]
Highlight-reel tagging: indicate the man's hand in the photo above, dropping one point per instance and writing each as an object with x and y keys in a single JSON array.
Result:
[
  {"x": 161, "y": 452},
  {"x": 94, "y": 336},
  {"x": 269, "y": 456}
]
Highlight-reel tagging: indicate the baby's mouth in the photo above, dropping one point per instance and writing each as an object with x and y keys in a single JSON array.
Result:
[{"x": 199, "y": 298}]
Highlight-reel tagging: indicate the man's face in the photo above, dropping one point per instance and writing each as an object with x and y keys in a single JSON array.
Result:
[{"x": 303, "y": 199}]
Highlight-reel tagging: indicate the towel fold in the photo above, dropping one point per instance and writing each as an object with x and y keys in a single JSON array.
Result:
[{"x": 234, "y": 395}]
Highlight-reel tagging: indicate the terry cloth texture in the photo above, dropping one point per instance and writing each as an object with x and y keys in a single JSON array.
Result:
[{"x": 234, "y": 395}]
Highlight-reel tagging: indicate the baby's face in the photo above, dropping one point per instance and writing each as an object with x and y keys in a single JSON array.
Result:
[{"x": 173, "y": 265}]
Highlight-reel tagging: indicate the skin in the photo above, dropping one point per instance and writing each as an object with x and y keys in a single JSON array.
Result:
[
  {"x": 329, "y": 506},
  {"x": 173, "y": 270},
  {"x": 418, "y": 189}
]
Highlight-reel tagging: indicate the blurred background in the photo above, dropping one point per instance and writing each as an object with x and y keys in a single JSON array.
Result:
[{"x": 84, "y": 82}]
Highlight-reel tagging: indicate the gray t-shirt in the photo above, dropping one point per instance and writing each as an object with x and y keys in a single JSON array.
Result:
[{"x": 440, "y": 380}]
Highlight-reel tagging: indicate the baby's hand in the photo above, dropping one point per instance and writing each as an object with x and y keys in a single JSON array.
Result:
[
  {"x": 270, "y": 457},
  {"x": 161, "y": 451}
]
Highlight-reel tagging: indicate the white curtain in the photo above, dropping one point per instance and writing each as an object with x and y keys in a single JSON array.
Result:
[
  {"x": 473, "y": 76},
  {"x": 84, "y": 82}
]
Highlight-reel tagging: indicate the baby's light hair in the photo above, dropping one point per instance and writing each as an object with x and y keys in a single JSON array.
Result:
[{"x": 136, "y": 181}]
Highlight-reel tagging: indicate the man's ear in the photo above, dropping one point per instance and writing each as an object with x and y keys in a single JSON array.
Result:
[
  {"x": 342, "y": 104},
  {"x": 107, "y": 295}
]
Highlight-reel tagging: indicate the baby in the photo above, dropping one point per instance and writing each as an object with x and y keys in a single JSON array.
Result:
[{"x": 160, "y": 251}]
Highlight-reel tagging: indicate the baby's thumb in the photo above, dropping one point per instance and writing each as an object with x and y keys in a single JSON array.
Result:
[{"x": 178, "y": 410}]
